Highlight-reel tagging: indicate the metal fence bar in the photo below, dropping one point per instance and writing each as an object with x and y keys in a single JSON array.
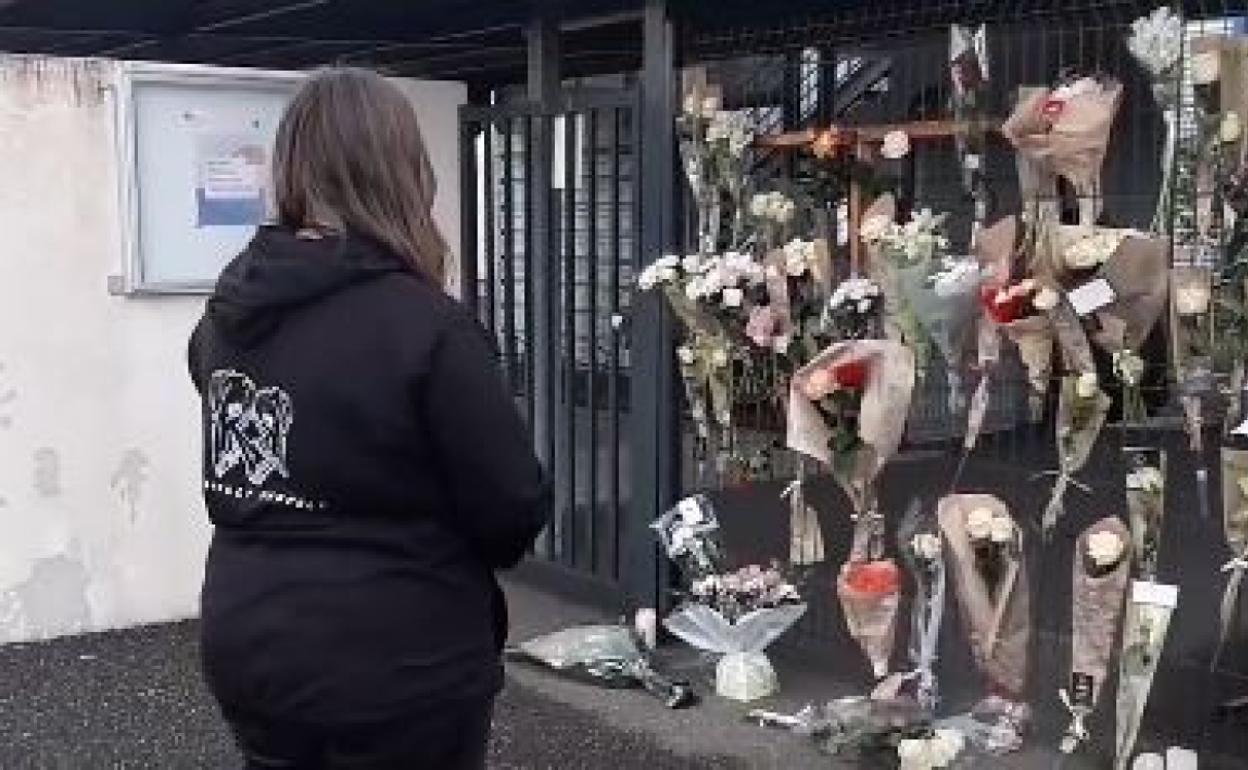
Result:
[
  {"x": 591, "y": 398},
  {"x": 613, "y": 369}
]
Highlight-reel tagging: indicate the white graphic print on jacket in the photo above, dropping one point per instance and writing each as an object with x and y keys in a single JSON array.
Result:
[{"x": 249, "y": 426}]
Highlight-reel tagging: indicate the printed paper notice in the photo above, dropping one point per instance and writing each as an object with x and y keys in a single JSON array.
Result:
[{"x": 231, "y": 187}]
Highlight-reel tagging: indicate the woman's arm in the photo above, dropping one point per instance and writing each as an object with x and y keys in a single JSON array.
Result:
[{"x": 500, "y": 500}]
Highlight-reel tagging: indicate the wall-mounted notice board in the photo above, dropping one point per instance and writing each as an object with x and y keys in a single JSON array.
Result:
[{"x": 195, "y": 144}]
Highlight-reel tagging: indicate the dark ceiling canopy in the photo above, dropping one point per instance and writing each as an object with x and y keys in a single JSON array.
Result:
[{"x": 481, "y": 40}]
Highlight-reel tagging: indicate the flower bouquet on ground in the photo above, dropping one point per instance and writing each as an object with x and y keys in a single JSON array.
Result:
[
  {"x": 870, "y": 593},
  {"x": 1143, "y": 637},
  {"x": 1081, "y": 413},
  {"x": 1146, "y": 505},
  {"x": 609, "y": 656},
  {"x": 863, "y": 728},
  {"x": 738, "y": 615},
  {"x": 1235, "y": 526},
  {"x": 1102, "y": 571},
  {"x": 985, "y": 547},
  {"x": 923, "y": 553}
]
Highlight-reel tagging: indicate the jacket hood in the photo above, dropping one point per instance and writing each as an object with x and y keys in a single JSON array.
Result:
[{"x": 279, "y": 272}]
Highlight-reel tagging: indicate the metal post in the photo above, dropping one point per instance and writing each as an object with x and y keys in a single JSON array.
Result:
[
  {"x": 543, "y": 89},
  {"x": 654, "y": 436}
]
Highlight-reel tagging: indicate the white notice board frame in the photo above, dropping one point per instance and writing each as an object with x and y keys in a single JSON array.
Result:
[{"x": 149, "y": 240}]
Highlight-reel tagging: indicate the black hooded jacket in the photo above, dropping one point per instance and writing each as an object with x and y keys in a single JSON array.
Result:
[{"x": 366, "y": 473}]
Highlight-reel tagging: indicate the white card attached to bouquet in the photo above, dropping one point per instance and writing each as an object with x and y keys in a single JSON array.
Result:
[
  {"x": 1160, "y": 594},
  {"x": 1092, "y": 296}
]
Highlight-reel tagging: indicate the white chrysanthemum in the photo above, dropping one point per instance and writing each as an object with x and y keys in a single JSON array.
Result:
[
  {"x": 1105, "y": 548},
  {"x": 733, "y": 298},
  {"x": 685, "y": 355},
  {"x": 692, "y": 263},
  {"x": 720, "y": 357},
  {"x": 799, "y": 256},
  {"x": 855, "y": 291},
  {"x": 1157, "y": 40}
]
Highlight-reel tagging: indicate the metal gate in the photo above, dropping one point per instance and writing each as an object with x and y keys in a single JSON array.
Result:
[{"x": 549, "y": 249}]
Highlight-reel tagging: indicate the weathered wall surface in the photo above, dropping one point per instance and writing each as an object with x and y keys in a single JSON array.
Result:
[{"x": 101, "y": 521}]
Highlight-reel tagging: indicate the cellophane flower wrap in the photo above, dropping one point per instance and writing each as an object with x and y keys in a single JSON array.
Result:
[
  {"x": 1146, "y": 505},
  {"x": 1081, "y": 412},
  {"x": 1101, "y": 573},
  {"x": 922, "y": 550},
  {"x": 985, "y": 549},
  {"x": 1144, "y": 630},
  {"x": 1235, "y": 528},
  {"x": 870, "y": 593},
  {"x": 738, "y": 615},
  {"x": 609, "y": 656},
  {"x": 1066, "y": 130},
  {"x": 1192, "y": 337},
  {"x": 847, "y": 409},
  {"x": 690, "y": 536},
  {"x": 993, "y": 247}
]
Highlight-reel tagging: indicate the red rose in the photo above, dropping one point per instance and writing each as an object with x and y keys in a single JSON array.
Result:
[
  {"x": 873, "y": 577},
  {"x": 851, "y": 375},
  {"x": 1052, "y": 108},
  {"x": 1002, "y": 306}
]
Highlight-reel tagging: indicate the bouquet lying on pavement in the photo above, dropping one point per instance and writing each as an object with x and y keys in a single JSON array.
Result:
[
  {"x": 609, "y": 656},
  {"x": 738, "y": 615}
]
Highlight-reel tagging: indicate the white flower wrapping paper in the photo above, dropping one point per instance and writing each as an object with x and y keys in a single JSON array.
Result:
[
  {"x": 1146, "y": 505},
  {"x": 1235, "y": 528},
  {"x": 1143, "y": 638},
  {"x": 1082, "y": 409},
  {"x": 1097, "y": 603}
]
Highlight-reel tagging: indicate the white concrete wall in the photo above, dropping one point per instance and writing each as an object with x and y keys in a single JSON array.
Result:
[{"x": 101, "y": 521}]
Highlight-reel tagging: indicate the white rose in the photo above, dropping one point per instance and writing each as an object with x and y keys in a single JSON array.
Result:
[
  {"x": 685, "y": 355},
  {"x": 711, "y": 105},
  {"x": 1231, "y": 129},
  {"x": 647, "y": 280},
  {"x": 692, "y": 263},
  {"x": 1105, "y": 548},
  {"x": 781, "y": 343},
  {"x": 926, "y": 546},
  {"x": 668, "y": 261},
  {"x": 760, "y": 204},
  {"x": 1087, "y": 386},
  {"x": 1191, "y": 300},
  {"x": 874, "y": 228},
  {"x": 1046, "y": 299},
  {"x": 979, "y": 524},
  {"x": 1206, "y": 68},
  {"x": 1001, "y": 530},
  {"x": 720, "y": 357},
  {"x": 896, "y": 145},
  {"x": 733, "y": 297}
]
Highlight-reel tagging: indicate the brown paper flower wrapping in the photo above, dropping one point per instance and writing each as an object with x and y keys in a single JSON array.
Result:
[
  {"x": 1073, "y": 144},
  {"x": 1097, "y": 603},
  {"x": 997, "y": 619},
  {"x": 1143, "y": 638},
  {"x": 1137, "y": 271},
  {"x": 993, "y": 248},
  {"x": 882, "y": 413}
]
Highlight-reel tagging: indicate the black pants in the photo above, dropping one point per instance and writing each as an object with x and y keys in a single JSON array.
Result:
[{"x": 450, "y": 738}]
